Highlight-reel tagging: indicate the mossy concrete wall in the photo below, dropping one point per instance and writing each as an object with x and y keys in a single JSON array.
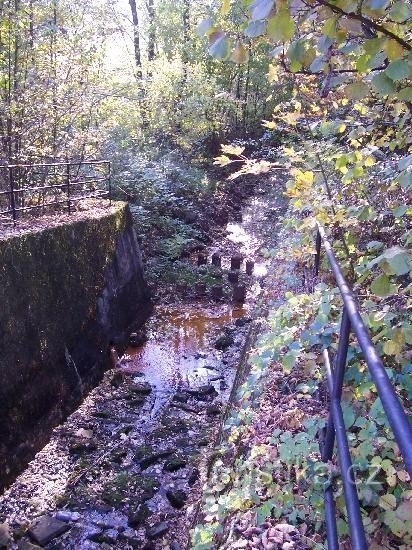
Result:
[{"x": 66, "y": 294}]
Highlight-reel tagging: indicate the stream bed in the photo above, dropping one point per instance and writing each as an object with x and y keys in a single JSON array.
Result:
[{"x": 126, "y": 468}]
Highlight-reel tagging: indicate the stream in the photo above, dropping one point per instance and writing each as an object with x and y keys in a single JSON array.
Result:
[{"x": 126, "y": 468}]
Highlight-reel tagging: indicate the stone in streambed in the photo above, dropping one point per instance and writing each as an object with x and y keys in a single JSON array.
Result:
[
  {"x": 142, "y": 388},
  {"x": 176, "y": 497},
  {"x": 138, "y": 517},
  {"x": 26, "y": 545},
  {"x": 243, "y": 321},
  {"x": 203, "y": 392},
  {"x": 46, "y": 529},
  {"x": 174, "y": 464},
  {"x": 213, "y": 410},
  {"x": 224, "y": 342},
  {"x": 193, "y": 477},
  {"x": 157, "y": 530},
  {"x": 5, "y": 537}
]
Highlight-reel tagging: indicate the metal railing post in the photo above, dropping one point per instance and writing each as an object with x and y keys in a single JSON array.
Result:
[
  {"x": 318, "y": 244},
  {"x": 12, "y": 198},
  {"x": 68, "y": 187}
]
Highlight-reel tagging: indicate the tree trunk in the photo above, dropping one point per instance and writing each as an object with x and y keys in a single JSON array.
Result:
[
  {"x": 186, "y": 28},
  {"x": 136, "y": 38},
  {"x": 152, "y": 31}
]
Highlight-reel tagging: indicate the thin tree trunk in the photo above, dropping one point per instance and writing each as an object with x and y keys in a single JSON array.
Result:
[
  {"x": 152, "y": 31},
  {"x": 136, "y": 38},
  {"x": 186, "y": 29}
]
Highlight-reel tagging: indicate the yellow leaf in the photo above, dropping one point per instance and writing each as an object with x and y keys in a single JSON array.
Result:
[
  {"x": 369, "y": 161},
  {"x": 239, "y": 54},
  {"x": 273, "y": 73},
  {"x": 225, "y": 7}
]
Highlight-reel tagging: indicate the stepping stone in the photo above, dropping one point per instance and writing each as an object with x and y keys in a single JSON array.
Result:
[
  {"x": 176, "y": 498},
  {"x": 46, "y": 529},
  {"x": 157, "y": 530}
]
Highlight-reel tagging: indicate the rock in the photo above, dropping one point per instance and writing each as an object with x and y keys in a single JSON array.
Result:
[
  {"x": 224, "y": 342},
  {"x": 63, "y": 516},
  {"x": 174, "y": 464},
  {"x": 157, "y": 530},
  {"x": 193, "y": 477},
  {"x": 180, "y": 397},
  {"x": 138, "y": 517},
  {"x": 175, "y": 546},
  {"x": 46, "y": 529},
  {"x": 5, "y": 536},
  {"x": 176, "y": 497},
  {"x": 137, "y": 339},
  {"x": 213, "y": 410},
  {"x": 86, "y": 446},
  {"x": 141, "y": 388},
  {"x": 100, "y": 413},
  {"x": 203, "y": 392},
  {"x": 233, "y": 276},
  {"x": 153, "y": 458},
  {"x": 26, "y": 545},
  {"x": 242, "y": 321},
  {"x": 102, "y": 537},
  {"x": 117, "y": 379}
]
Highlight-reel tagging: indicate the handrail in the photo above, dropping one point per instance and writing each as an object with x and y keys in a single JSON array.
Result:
[
  {"x": 67, "y": 175},
  {"x": 398, "y": 420}
]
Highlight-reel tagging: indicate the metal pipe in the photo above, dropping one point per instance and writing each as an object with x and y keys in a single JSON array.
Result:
[
  {"x": 397, "y": 417},
  {"x": 356, "y": 528}
]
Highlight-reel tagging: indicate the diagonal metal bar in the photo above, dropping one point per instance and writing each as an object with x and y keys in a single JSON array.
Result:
[
  {"x": 397, "y": 417},
  {"x": 357, "y": 532}
]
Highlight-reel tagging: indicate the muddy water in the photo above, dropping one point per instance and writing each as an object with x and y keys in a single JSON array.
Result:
[{"x": 178, "y": 352}]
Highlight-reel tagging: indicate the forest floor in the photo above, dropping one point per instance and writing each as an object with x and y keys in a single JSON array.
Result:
[{"x": 126, "y": 469}]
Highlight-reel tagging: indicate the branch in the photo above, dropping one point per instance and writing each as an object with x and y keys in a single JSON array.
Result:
[{"x": 369, "y": 23}]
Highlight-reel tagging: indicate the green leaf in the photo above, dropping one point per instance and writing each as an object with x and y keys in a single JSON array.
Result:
[
  {"x": 357, "y": 90},
  {"x": 398, "y": 260},
  {"x": 397, "y": 70},
  {"x": 348, "y": 415},
  {"x": 405, "y": 94},
  {"x": 387, "y": 502},
  {"x": 377, "y": 4},
  {"x": 261, "y": 9},
  {"x": 255, "y": 28},
  {"x": 383, "y": 84},
  {"x": 381, "y": 286},
  {"x": 281, "y": 27},
  {"x": 220, "y": 49},
  {"x": 401, "y": 11},
  {"x": 203, "y": 27}
]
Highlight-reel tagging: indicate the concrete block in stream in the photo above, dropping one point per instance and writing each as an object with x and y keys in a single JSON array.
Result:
[
  {"x": 216, "y": 292},
  {"x": 233, "y": 276},
  {"x": 217, "y": 259},
  {"x": 200, "y": 290},
  {"x": 239, "y": 294},
  {"x": 201, "y": 259},
  {"x": 236, "y": 262}
]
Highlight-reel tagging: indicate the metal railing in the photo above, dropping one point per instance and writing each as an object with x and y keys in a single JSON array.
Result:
[
  {"x": 41, "y": 186},
  {"x": 335, "y": 429}
]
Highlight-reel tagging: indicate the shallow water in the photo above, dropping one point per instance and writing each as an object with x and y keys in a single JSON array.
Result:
[{"x": 179, "y": 351}]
